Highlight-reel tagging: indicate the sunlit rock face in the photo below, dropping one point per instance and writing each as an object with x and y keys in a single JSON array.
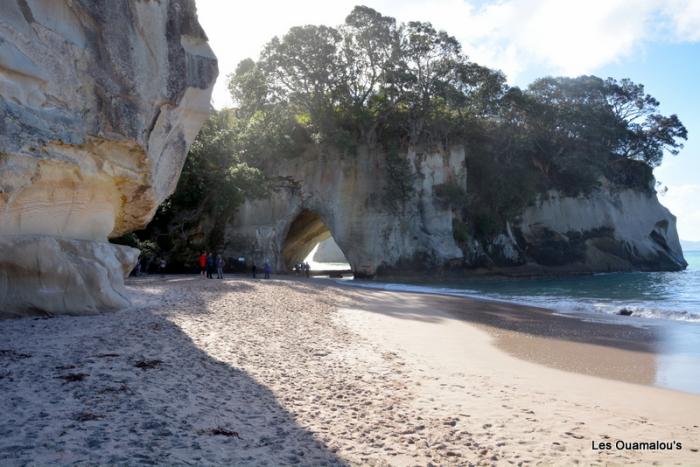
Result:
[
  {"x": 44, "y": 275},
  {"x": 606, "y": 230},
  {"x": 100, "y": 101},
  {"x": 609, "y": 229}
]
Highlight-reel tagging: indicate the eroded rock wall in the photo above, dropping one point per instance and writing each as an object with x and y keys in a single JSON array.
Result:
[
  {"x": 44, "y": 275},
  {"x": 100, "y": 100},
  {"x": 352, "y": 196},
  {"x": 606, "y": 230}
]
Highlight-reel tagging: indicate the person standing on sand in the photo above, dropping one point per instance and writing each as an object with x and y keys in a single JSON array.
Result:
[
  {"x": 267, "y": 269},
  {"x": 219, "y": 267},
  {"x": 210, "y": 265},
  {"x": 203, "y": 262},
  {"x": 254, "y": 268},
  {"x": 161, "y": 267}
]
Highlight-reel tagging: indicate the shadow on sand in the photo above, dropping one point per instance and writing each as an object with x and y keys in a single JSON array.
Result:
[{"x": 132, "y": 388}]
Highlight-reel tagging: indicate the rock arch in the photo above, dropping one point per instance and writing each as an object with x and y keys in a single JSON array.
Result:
[
  {"x": 349, "y": 195},
  {"x": 304, "y": 233}
]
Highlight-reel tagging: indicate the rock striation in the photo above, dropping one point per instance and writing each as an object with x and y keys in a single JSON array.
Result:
[{"x": 100, "y": 101}]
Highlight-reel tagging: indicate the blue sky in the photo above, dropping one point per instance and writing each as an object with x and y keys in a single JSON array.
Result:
[
  {"x": 671, "y": 73},
  {"x": 653, "y": 42}
]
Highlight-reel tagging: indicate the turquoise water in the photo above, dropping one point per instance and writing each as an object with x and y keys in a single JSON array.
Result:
[{"x": 666, "y": 295}]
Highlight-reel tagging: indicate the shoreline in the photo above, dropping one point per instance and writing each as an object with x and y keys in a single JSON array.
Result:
[
  {"x": 639, "y": 342},
  {"x": 639, "y": 317},
  {"x": 646, "y": 350}
]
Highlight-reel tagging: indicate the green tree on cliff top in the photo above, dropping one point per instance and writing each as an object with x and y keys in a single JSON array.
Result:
[{"x": 371, "y": 80}]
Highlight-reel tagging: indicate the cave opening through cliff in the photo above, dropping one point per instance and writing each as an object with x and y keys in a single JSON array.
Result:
[{"x": 310, "y": 240}]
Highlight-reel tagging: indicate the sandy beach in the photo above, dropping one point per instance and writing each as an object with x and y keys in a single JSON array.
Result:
[{"x": 284, "y": 372}]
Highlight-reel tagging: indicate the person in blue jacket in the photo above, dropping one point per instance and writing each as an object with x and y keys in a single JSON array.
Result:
[{"x": 210, "y": 266}]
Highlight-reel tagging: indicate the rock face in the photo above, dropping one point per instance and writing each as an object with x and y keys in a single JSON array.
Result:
[
  {"x": 379, "y": 225},
  {"x": 50, "y": 275},
  {"x": 607, "y": 230},
  {"x": 346, "y": 197},
  {"x": 100, "y": 101}
]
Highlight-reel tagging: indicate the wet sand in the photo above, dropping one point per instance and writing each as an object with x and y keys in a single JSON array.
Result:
[
  {"x": 615, "y": 351},
  {"x": 285, "y": 372}
]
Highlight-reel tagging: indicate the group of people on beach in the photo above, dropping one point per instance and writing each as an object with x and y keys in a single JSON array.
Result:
[
  {"x": 207, "y": 263},
  {"x": 303, "y": 268}
]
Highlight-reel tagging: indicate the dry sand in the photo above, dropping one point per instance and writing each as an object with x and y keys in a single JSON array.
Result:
[{"x": 299, "y": 372}]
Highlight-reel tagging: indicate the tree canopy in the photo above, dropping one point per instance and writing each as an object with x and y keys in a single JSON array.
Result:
[
  {"x": 215, "y": 180},
  {"x": 373, "y": 80},
  {"x": 365, "y": 82}
]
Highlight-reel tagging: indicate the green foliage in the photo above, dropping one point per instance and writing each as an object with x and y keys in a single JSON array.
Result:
[
  {"x": 216, "y": 178},
  {"x": 368, "y": 81},
  {"x": 591, "y": 118},
  {"x": 460, "y": 231},
  {"x": 149, "y": 249},
  {"x": 399, "y": 180},
  {"x": 387, "y": 86},
  {"x": 374, "y": 82},
  {"x": 566, "y": 134},
  {"x": 451, "y": 194},
  {"x": 129, "y": 239}
]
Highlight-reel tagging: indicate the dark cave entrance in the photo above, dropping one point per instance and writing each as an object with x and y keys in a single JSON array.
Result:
[{"x": 310, "y": 240}]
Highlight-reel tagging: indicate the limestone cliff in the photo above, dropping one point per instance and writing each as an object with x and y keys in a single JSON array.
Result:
[
  {"x": 609, "y": 229},
  {"x": 379, "y": 225},
  {"x": 606, "y": 230},
  {"x": 100, "y": 101}
]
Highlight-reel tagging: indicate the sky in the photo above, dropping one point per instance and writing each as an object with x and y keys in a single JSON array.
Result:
[{"x": 653, "y": 42}]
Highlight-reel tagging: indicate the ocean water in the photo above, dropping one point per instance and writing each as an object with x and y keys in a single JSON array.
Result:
[{"x": 664, "y": 295}]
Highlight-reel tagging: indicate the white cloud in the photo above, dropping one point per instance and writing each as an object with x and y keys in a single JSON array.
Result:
[
  {"x": 551, "y": 36},
  {"x": 573, "y": 38},
  {"x": 684, "y": 203},
  {"x": 685, "y": 16},
  {"x": 567, "y": 37},
  {"x": 238, "y": 30}
]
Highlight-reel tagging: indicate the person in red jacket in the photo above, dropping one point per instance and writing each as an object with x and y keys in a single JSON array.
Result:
[{"x": 203, "y": 263}]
